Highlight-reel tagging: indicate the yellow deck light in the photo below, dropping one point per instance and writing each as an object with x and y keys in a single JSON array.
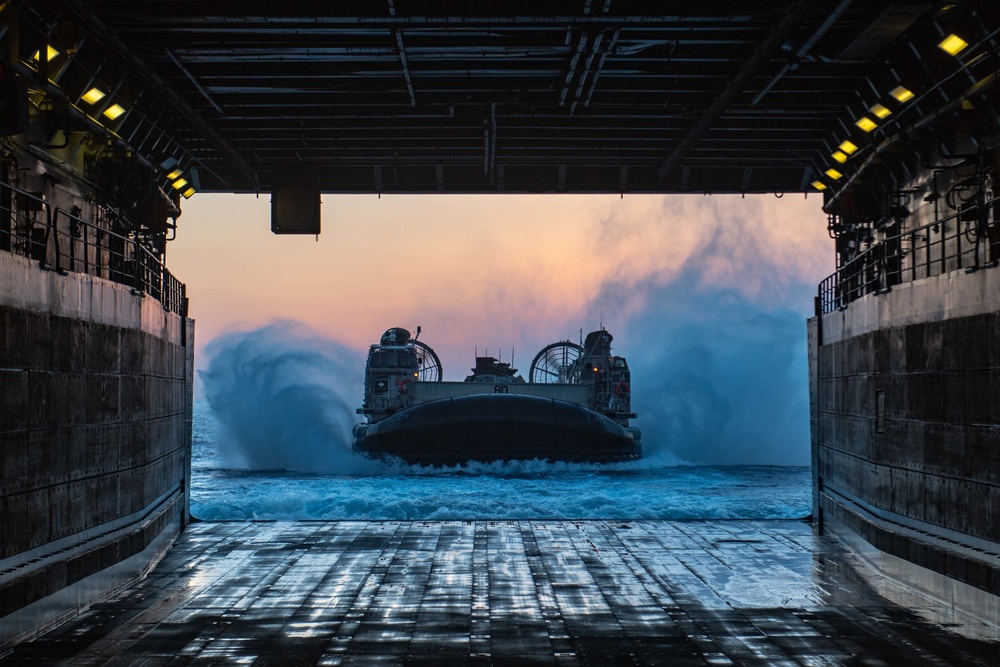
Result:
[
  {"x": 179, "y": 183},
  {"x": 901, "y": 94},
  {"x": 819, "y": 185},
  {"x": 880, "y": 111},
  {"x": 187, "y": 193},
  {"x": 839, "y": 156},
  {"x": 848, "y": 146},
  {"x": 833, "y": 173},
  {"x": 952, "y": 44},
  {"x": 866, "y": 124},
  {"x": 93, "y": 96},
  {"x": 114, "y": 111},
  {"x": 50, "y": 54},
  {"x": 174, "y": 174}
]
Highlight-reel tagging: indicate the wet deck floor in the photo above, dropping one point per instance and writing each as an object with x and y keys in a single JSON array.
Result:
[{"x": 511, "y": 593}]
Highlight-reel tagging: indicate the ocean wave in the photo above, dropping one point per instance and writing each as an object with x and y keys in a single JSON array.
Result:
[{"x": 533, "y": 490}]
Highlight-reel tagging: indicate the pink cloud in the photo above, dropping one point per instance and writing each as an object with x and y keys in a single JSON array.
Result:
[{"x": 492, "y": 271}]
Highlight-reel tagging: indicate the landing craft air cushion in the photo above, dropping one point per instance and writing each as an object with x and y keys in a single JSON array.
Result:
[{"x": 575, "y": 406}]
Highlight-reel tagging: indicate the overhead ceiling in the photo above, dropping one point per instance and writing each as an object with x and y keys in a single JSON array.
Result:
[{"x": 513, "y": 96}]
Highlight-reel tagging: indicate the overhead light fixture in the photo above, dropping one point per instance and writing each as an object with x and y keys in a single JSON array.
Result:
[
  {"x": 952, "y": 44},
  {"x": 848, "y": 146},
  {"x": 114, "y": 111},
  {"x": 839, "y": 156},
  {"x": 179, "y": 183},
  {"x": 50, "y": 53},
  {"x": 187, "y": 193},
  {"x": 866, "y": 124},
  {"x": 901, "y": 94},
  {"x": 174, "y": 174},
  {"x": 93, "y": 96},
  {"x": 880, "y": 111},
  {"x": 819, "y": 185},
  {"x": 833, "y": 173}
]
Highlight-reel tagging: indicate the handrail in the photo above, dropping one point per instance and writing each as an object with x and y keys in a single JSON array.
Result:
[
  {"x": 929, "y": 250},
  {"x": 20, "y": 230},
  {"x": 82, "y": 246}
]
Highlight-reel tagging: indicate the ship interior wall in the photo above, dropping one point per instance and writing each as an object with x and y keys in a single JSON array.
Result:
[
  {"x": 95, "y": 409},
  {"x": 906, "y": 430}
]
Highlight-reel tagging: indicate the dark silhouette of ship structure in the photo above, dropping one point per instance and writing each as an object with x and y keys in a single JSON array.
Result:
[{"x": 575, "y": 405}]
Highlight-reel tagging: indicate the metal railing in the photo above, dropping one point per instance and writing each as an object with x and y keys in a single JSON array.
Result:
[
  {"x": 64, "y": 242},
  {"x": 25, "y": 222},
  {"x": 968, "y": 239}
]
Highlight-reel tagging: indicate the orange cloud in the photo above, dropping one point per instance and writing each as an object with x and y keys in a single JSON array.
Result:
[{"x": 492, "y": 271}]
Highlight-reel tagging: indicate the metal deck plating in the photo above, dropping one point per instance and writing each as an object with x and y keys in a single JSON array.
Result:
[{"x": 513, "y": 592}]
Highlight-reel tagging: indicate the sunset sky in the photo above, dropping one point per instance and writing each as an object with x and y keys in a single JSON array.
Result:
[
  {"x": 706, "y": 295},
  {"x": 492, "y": 271}
]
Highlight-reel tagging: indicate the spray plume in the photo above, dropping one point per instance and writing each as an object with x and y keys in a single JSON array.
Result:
[
  {"x": 283, "y": 397},
  {"x": 714, "y": 330}
]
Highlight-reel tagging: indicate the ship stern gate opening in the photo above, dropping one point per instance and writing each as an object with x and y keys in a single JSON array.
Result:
[{"x": 887, "y": 114}]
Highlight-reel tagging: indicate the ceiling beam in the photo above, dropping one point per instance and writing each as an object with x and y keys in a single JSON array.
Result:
[{"x": 791, "y": 19}]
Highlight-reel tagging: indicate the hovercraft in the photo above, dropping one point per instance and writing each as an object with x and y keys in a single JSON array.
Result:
[{"x": 575, "y": 405}]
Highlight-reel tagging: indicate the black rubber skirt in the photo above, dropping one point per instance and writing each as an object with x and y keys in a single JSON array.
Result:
[{"x": 497, "y": 427}]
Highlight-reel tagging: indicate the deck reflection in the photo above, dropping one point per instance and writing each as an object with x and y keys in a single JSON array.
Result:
[{"x": 509, "y": 592}]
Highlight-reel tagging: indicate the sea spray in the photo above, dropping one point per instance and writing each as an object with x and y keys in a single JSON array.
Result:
[
  {"x": 283, "y": 397},
  {"x": 726, "y": 384},
  {"x": 712, "y": 301}
]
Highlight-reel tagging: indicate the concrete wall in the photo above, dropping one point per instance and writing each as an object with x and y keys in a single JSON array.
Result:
[
  {"x": 905, "y": 390},
  {"x": 95, "y": 410}
]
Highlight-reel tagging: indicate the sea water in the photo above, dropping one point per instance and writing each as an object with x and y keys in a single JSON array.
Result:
[{"x": 657, "y": 487}]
